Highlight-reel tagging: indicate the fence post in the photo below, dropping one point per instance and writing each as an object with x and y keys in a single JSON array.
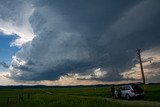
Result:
[
  {"x": 8, "y": 102},
  {"x": 19, "y": 98},
  {"x": 22, "y": 96},
  {"x": 28, "y": 95},
  {"x": 16, "y": 99}
]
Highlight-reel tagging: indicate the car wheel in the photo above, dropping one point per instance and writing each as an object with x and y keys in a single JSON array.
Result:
[{"x": 127, "y": 97}]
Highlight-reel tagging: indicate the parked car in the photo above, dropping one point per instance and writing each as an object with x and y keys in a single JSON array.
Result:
[{"x": 129, "y": 91}]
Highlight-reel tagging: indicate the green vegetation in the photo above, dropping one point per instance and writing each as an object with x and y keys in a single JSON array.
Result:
[
  {"x": 152, "y": 93},
  {"x": 73, "y": 97}
]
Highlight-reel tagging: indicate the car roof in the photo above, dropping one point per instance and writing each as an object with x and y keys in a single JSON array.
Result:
[{"x": 126, "y": 86}]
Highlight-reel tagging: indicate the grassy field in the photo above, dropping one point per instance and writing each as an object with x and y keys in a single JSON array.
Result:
[{"x": 73, "y": 97}]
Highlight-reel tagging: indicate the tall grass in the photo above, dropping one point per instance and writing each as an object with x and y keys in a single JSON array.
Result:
[
  {"x": 152, "y": 93},
  {"x": 71, "y": 97}
]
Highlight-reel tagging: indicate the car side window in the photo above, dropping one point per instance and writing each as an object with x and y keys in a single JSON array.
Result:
[{"x": 127, "y": 88}]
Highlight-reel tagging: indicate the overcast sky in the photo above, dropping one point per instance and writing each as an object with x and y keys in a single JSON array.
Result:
[{"x": 73, "y": 42}]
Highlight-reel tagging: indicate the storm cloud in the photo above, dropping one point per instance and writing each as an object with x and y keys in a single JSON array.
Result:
[
  {"x": 78, "y": 37},
  {"x": 3, "y": 64}
]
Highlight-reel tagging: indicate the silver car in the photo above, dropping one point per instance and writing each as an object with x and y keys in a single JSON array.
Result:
[{"x": 129, "y": 91}]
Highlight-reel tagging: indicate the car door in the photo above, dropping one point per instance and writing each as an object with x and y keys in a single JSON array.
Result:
[{"x": 123, "y": 91}]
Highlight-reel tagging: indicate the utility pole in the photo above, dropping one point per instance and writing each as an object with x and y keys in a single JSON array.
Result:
[{"x": 140, "y": 61}]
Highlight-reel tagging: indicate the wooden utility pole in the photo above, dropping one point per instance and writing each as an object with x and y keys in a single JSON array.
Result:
[{"x": 140, "y": 61}]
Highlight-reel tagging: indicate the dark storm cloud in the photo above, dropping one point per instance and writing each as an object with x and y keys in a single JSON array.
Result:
[
  {"x": 79, "y": 35},
  {"x": 154, "y": 65},
  {"x": 2, "y": 63}
]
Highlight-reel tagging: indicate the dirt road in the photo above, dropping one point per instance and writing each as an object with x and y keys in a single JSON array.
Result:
[{"x": 141, "y": 103}]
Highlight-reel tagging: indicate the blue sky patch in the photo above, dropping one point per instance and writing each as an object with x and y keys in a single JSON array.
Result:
[{"x": 7, "y": 51}]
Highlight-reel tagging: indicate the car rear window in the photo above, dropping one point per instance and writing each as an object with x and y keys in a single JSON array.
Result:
[{"x": 136, "y": 88}]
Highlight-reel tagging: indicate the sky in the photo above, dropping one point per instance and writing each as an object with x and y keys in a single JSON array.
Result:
[{"x": 78, "y": 42}]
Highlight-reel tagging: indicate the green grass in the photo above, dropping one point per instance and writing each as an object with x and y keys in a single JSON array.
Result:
[
  {"x": 152, "y": 93},
  {"x": 71, "y": 97}
]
